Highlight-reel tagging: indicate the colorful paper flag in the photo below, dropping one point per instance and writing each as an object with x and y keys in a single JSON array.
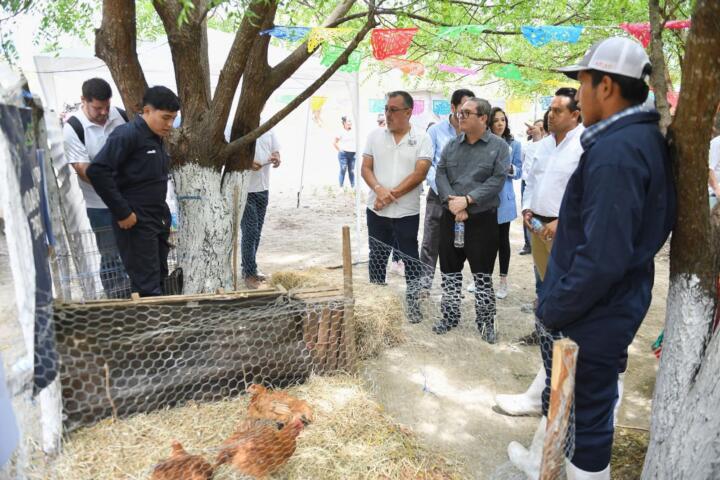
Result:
[
  {"x": 517, "y": 105},
  {"x": 387, "y": 42},
  {"x": 376, "y": 105},
  {"x": 418, "y": 107},
  {"x": 330, "y": 53},
  {"x": 408, "y": 67},
  {"x": 458, "y": 70},
  {"x": 539, "y": 36},
  {"x": 320, "y": 35},
  {"x": 441, "y": 107},
  {"x": 545, "y": 102},
  {"x": 641, "y": 31},
  {"x": 509, "y": 72},
  {"x": 316, "y": 103},
  {"x": 456, "y": 31},
  {"x": 291, "y": 34}
]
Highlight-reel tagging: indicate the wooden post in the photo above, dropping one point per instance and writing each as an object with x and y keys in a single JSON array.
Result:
[
  {"x": 236, "y": 225},
  {"x": 349, "y": 317},
  {"x": 562, "y": 393}
]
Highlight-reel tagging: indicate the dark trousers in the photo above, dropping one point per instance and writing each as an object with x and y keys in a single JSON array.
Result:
[
  {"x": 431, "y": 233},
  {"x": 481, "y": 243},
  {"x": 144, "y": 250},
  {"x": 113, "y": 277},
  {"x": 504, "y": 247},
  {"x": 383, "y": 232},
  {"x": 251, "y": 227},
  {"x": 526, "y": 231},
  {"x": 602, "y": 355},
  {"x": 347, "y": 163}
]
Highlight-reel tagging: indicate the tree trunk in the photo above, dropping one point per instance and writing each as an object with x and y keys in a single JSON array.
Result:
[
  {"x": 657, "y": 58},
  {"x": 686, "y": 419},
  {"x": 115, "y": 44},
  {"x": 205, "y": 236}
]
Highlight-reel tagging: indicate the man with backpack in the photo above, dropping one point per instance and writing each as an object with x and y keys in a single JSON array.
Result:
[{"x": 85, "y": 134}]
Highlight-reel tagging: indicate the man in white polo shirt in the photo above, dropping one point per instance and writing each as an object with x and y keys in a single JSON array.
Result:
[
  {"x": 85, "y": 134},
  {"x": 396, "y": 160}
]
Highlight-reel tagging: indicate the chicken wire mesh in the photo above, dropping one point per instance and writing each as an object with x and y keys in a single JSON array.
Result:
[{"x": 126, "y": 360}]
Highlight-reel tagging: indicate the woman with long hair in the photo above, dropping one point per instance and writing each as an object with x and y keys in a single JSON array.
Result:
[{"x": 507, "y": 211}]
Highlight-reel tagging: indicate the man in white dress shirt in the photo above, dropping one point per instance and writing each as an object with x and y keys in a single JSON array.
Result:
[
  {"x": 396, "y": 160},
  {"x": 85, "y": 133},
  {"x": 554, "y": 159}
]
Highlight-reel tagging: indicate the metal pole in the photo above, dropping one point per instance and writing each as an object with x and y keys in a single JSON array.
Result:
[{"x": 305, "y": 149}]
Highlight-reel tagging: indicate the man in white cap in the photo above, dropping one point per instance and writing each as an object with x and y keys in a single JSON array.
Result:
[{"x": 617, "y": 212}]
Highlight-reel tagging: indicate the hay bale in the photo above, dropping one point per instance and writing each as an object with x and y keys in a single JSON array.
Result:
[{"x": 350, "y": 438}]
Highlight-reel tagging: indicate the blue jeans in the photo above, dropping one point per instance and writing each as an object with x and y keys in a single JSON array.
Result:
[
  {"x": 113, "y": 276},
  {"x": 251, "y": 227},
  {"x": 347, "y": 163}
]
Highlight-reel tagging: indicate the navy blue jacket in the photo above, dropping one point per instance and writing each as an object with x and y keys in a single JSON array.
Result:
[
  {"x": 131, "y": 170},
  {"x": 617, "y": 212}
]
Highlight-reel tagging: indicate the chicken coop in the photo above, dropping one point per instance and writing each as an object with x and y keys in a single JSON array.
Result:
[{"x": 135, "y": 356}]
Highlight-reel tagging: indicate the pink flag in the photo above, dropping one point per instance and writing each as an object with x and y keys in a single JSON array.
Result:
[
  {"x": 641, "y": 31},
  {"x": 458, "y": 70}
]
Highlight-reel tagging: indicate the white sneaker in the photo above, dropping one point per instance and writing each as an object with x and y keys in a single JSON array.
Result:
[
  {"x": 529, "y": 460},
  {"x": 502, "y": 290},
  {"x": 574, "y": 473},
  {"x": 525, "y": 404}
]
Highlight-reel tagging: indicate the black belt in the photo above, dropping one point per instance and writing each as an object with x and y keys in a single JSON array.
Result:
[{"x": 544, "y": 219}]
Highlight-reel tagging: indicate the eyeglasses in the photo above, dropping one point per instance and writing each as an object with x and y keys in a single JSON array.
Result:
[
  {"x": 466, "y": 114},
  {"x": 391, "y": 110}
]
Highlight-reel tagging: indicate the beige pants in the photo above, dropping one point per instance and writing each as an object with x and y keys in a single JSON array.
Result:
[{"x": 540, "y": 253}]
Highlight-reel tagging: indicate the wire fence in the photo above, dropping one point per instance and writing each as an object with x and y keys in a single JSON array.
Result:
[{"x": 295, "y": 379}]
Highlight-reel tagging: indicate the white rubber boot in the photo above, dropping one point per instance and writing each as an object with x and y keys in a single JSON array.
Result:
[
  {"x": 621, "y": 382},
  {"x": 528, "y": 460},
  {"x": 525, "y": 404},
  {"x": 574, "y": 473}
]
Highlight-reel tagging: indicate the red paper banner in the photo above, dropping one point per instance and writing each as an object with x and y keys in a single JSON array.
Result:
[
  {"x": 406, "y": 66},
  {"x": 641, "y": 31},
  {"x": 387, "y": 42}
]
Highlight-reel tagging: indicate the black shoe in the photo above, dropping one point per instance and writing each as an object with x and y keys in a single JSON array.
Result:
[
  {"x": 526, "y": 250},
  {"x": 530, "y": 339},
  {"x": 441, "y": 328},
  {"x": 487, "y": 332}
]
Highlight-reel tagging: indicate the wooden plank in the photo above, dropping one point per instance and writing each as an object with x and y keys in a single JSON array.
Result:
[
  {"x": 333, "y": 339},
  {"x": 323, "y": 335},
  {"x": 349, "y": 310},
  {"x": 562, "y": 392}
]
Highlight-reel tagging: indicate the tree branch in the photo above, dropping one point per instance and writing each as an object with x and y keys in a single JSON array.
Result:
[
  {"x": 259, "y": 12},
  {"x": 233, "y": 148},
  {"x": 115, "y": 44},
  {"x": 292, "y": 62},
  {"x": 189, "y": 50}
]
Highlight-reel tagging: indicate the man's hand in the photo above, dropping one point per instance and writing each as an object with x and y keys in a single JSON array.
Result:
[
  {"x": 384, "y": 196},
  {"x": 275, "y": 159},
  {"x": 527, "y": 217},
  {"x": 457, "y": 204},
  {"x": 548, "y": 233},
  {"x": 461, "y": 216},
  {"x": 129, "y": 222},
  {"x": 256, "y": 166}
]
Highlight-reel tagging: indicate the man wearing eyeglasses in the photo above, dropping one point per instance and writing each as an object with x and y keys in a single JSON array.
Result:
[
  {"x": 470, "y": 175},
  {"x": 396, "y": 160}
]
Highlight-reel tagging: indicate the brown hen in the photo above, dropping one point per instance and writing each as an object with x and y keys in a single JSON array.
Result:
[
  {"x": 182, "y": 466},
  {"x": 277, "y": 406},
  {"x": 258, "y": 448}
]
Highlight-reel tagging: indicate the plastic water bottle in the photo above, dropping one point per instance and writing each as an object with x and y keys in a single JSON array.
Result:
[
  {"x": 459, "y": 234},
  {"x": 536, "y": 224}
]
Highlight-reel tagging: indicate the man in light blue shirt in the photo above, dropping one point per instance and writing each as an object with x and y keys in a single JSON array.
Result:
[{"x": 440, "y": 134}]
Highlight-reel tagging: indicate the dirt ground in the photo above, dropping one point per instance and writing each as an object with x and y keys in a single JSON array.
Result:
[{"x": 443, "y": 387}]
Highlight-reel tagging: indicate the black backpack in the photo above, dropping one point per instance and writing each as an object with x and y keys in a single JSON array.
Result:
[{"x": 80, "y": 131}]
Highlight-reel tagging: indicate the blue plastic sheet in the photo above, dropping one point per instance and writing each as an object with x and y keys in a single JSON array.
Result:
[{"x": 292, "y": 34}]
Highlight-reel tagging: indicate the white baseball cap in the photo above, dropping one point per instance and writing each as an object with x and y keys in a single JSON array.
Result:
[{"x": 618, "y": 55}]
